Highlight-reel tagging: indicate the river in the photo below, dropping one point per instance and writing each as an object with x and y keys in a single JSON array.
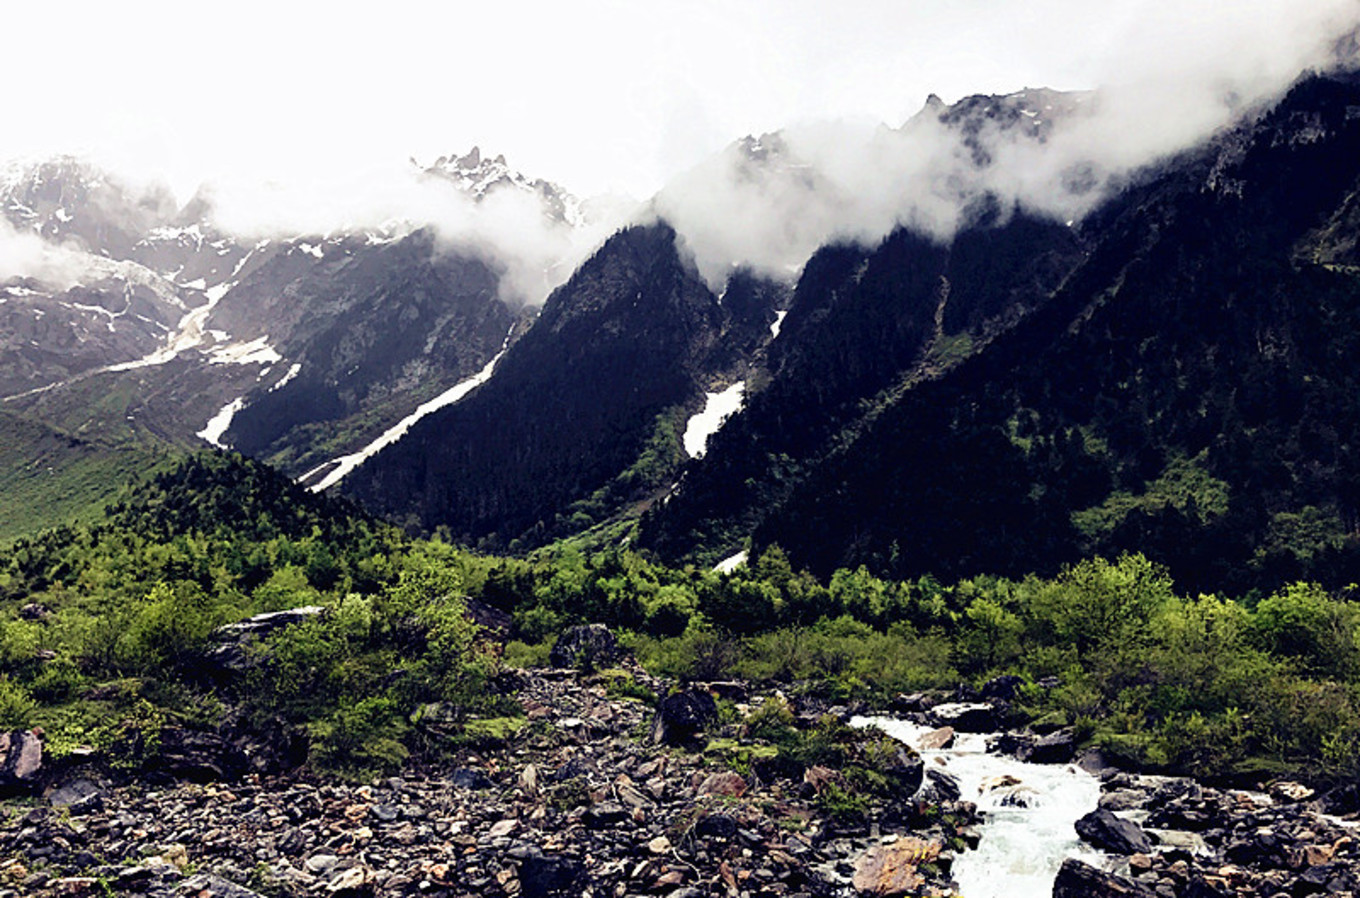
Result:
[{"x": 1030, "y": 811}]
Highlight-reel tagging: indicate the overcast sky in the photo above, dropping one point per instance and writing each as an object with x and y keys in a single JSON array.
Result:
[{"x": 599, "y": 95}]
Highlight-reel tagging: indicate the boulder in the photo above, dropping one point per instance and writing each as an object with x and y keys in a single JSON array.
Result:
[
  {"x": 680, "y": 717},
  {"x": 587, "y": 646},
  {"x": 21, "y": 757},
  {"x": 890, "y": 870},
  {"x": 79, "y": 796},
  {"x": 1055, "y": 748},
  {"x": 904, "y": 769},
  {"x": 966, "y": 717},
  {"x": 940, "y": 786},
  {"x": 1079, "y": 880},
  {"x": 1003, "y": 688},
  {"x": 936, "y": 740},
  {"x": 228, "y": 654},
  {"x": 1103, "y": 830}
]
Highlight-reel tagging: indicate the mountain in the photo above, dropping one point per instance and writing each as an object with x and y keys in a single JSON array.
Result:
[
  {"x": 585, "y": 414},
  {"x": 144, "y": 320},
  {"x": 1183, "y": 385}
]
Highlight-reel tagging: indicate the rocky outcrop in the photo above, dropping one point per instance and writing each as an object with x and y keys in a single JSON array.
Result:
[{"x": 229, "y": 653}]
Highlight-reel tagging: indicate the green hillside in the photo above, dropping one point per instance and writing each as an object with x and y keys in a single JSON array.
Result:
[{"x": 48, "y": 477}]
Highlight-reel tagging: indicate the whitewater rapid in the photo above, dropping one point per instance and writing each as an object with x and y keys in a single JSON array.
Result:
[{"x": 1021, "y": 847}]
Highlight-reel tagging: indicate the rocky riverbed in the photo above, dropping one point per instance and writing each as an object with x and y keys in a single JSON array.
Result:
[
  {"x": 593, "y": 795},
  {"x": 600, "y": 789}
]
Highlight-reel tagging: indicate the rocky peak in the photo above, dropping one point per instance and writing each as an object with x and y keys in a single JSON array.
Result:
[{"x": 478, "y": 176}]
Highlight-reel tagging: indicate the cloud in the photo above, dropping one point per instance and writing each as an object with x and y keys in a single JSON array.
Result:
[
  {"x": 27, "y": 255},
  {"x": 1180, "y": 73},
  {"x": 514, "y": 228}
]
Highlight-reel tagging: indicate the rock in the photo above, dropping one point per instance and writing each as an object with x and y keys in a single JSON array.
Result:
[
  {"x": 79, "y": 796},
  {"x": 1003, "y": 688},
  {"x": 936, "y": 740},
  {"x": 502, "y": 828},
  {"x": 1103, "y": 830},
  {"x": 890, "y": 870},
  {"x": 941, "y": 786},
  {"x": 727, "y": 784},
  {"x": 470, "y": 778},
  {"x": 354, "y": 881},
  {"x": 1055, "y": 748},
  {"x": 659, "y": 845},
  {"x": 35, "y": 611},
  {"x": 1078, "y": 880},
  {"x": 966, "y": 717},
  {"x": 207, "y": 885},
  {"x": 913, "y": 703},
  {"x": 1341, "y": 801},
  {"x": 549, "y": 876},
  {"x": 321, "y": 864},
  {"x": 716, "y": 826},
  {"x": 904, "y": 769},
  {"x": 680, "y": 717},
  {"x": 228, "y": 654},
  {"x": 196, "y": 756},
  {"x": 586, "y": 647},
  {"x": 21, "y": 757},
  {"x": 604, "y": 815},
  {"x": 494, "y": 621}
]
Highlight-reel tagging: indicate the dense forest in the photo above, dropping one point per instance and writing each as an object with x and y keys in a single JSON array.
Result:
[{"x": 107, "y": 636}]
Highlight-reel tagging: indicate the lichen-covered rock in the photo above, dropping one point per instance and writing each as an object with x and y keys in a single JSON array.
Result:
[
  {"x": 890, "y": 870},
  {"x": 680, "y": 717}
]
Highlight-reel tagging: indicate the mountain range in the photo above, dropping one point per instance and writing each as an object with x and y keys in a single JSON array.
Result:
[{"x": 1170, "y": 370}]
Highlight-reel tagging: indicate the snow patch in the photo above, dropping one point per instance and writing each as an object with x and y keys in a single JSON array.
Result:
[
  {"x": 217, "y": 425},
  {"x": 732, "y": 562},
  {"x": 719, "y": 407},
  {"x": 292, "y": 373},
  {"x": 257, "y": 351},
  {"x": 778, "y": 323},
  {"x": 347, "y": 463}
]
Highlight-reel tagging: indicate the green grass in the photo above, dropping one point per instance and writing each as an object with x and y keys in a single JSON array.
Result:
[{"x": 48, "y": 477}]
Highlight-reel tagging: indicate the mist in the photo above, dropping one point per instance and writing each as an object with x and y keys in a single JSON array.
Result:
[
  {"x": 1173, "y": 82},
  {"x": 28, "y": 256}
]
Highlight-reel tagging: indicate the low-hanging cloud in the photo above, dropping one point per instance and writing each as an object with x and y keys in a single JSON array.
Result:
[
  {"x": 516, "y": 229},
  {"x": 769, "y": 203},
  {"x": 25, "y": 255}
]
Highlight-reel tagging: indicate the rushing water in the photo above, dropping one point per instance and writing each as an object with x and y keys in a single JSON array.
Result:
[{"x": 1022, "y": 846}]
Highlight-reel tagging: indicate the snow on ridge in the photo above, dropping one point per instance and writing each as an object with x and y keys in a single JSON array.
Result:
[
  {"x": 347, "y": 463},
  {"x": 718, "y": 408}
]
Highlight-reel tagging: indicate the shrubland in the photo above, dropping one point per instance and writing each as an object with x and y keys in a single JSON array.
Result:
[{"x": 104, "y": 630}]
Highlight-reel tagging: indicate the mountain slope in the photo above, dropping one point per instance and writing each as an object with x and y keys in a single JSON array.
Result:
[
  {"x": 583, "y": 414},
  {"x": 1190, "y": 392}
]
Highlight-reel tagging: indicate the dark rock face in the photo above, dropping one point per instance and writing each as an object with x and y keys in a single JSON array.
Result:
[
  {"x": 588, "y": 646},
  {"x": 681, "y": 716},
  {"x": 1055, "y": 748},
  {"x": 1079, "y": 880},
  {"x": 1107, "y": 832}
]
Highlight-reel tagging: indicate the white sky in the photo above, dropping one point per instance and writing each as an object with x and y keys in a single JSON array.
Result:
[{"x": 599, "y": 95}]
